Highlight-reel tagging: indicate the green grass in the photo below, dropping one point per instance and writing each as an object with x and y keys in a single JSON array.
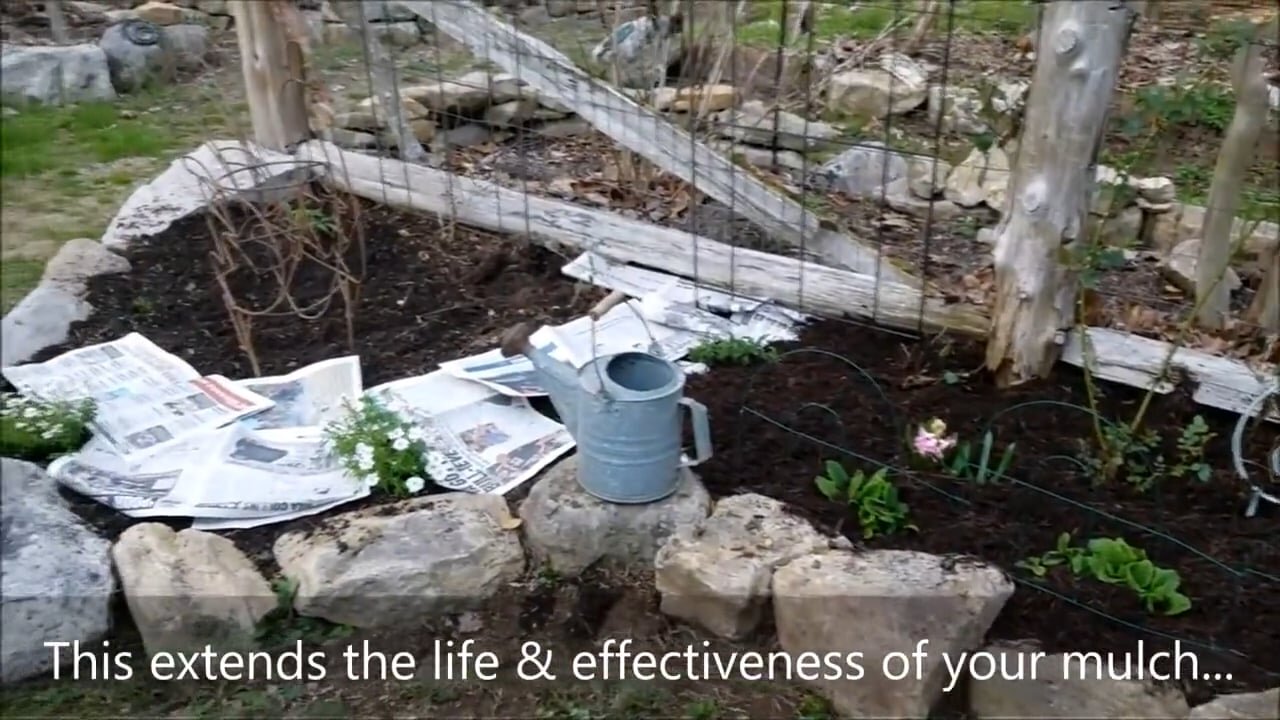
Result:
[
  {"x": 17, "y": 277},
  {"x": 40, "y": 140},
  {"x": 869, "y": 19}
]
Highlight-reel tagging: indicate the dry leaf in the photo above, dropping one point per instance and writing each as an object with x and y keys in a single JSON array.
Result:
[{"x": 510, "y": 522}]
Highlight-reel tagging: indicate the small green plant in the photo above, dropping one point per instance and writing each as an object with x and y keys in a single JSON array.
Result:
[
  {"x": 733, "y": 351},
  {"x": 1196, "y": 104},
  {"x": 874, "y": 498},
  {"x": 1115, "y": 562},
  {"x": 961, "y": 464},
  {"x": 36, "y": 430},
  {"x": 1138, "y": 455},
  {"x": 376, "y": 444},
  {"x": 283, "y": 626}
]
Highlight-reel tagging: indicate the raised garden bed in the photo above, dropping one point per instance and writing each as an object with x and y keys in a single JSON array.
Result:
[{"x": 434, "y": 293}]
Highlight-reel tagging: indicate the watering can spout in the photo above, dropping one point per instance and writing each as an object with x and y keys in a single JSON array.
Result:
[{"x": 559, "y": 378}]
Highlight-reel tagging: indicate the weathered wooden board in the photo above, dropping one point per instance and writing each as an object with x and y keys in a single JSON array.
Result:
[
  {"x": 647, "y": 133},
  {"x": 804, "y": 286}
]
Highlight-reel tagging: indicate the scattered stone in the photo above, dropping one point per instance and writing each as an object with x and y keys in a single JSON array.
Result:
[
  {"x": 1184, "y": 221},
  {"x": 688, "y": 99},
  {"x": 88, "y": 12},
  {"x": 423, "y": 130},
  {"x": 957, "y": 110},
  {"x": 373, "y": 106},
  {"x": 1155, "y": 189},
  {"x": 865, "y": 169},
  {"x": 535, "y": 15},
  {"x": 1059, "y": 690},
  {"x": 927, "y": 176},
  {"x": 568, "y": 127},
  {"x": 898, "y": 86},
  {"x": 1179, "y": 268},
  {"x": 136, "y": 54},
  {"x": 399, "y": 564},
  {"x": 754, "y": 123},
  {"x": 1122, "y": 229},
  {"x": 899, "y": 197},
  {"x": 80, "y": 259},
  {"x": 182, "y": 188},
  {"x": 881, "y": 602},
  {"x": 121, "y": 14},
  {"x": 161, "y": 13},
  {"x": 190, "y": 588},
  {"x": 187, "y": 45},
  {"x": 1010, "y": 96},
  {"x": 982, "y": 177},
  {"x": 468, "y": 95},
  {"x": 1263, "y": 705},
  {"x": 641, "y": 50},
  {"x": 398, "y": 34},
  {"x": 467, "y": 135},
  {"x": 511, "y": 113},
  {"x": 55, "y": 581},
  {"x": 717, "y": 574},
  {"x": 352, "y": 139},
  {"x": 571, "y": 530},
  {"x": 55, "y": 75}
]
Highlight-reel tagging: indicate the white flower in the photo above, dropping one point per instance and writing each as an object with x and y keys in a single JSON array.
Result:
[
  {"x": 396, "y": 434},
  {"x": 399, "y": 444},
  {"x": 364, "y": 463},
  {"x": 417, "y": 434},
  {"x": 20, "y": 425},
  {"x": 49, "y": 434},
  {"x": 415, "y": 484},
  {"x": 371, "y": 480},
  {"x": 364, "y": 451},
  {"x": 30, "y": 412}
]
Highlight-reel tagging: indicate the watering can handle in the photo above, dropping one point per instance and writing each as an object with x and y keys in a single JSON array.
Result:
[{"x": 701, "y": 432}]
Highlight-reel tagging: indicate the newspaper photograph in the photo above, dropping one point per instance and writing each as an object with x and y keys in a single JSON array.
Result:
[
  {"x": 151, "y": 487},
  {"x": 313, "y": 396},
  {"x": 270, "y": 474},
  {"x": 146, "y": 399},
  {"x": 513, "y": 376},
  {"x": 478, "y": 441}
]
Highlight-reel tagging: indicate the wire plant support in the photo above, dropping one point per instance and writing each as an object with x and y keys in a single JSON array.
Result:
[{"x": 1271, "y": 467}]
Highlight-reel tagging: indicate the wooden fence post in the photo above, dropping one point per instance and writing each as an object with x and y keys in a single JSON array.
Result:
[
  {"x": 1080, "y": 48},
  {"x": 274, "y": 66}
]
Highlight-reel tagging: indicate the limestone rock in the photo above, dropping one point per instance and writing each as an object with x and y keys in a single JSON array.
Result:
[
  {"x": 373, "y": 106},
  {"x": 511, "y": 113},
  {"x": 981, "y": 177},
  {"x": 760, "y": 156},
  {"x": 43, "y": 318},
  {"x": 465, "y": 135},
  {"x": 571, "y": 530},
  {"x": 1059, "y": 690},
  {"x": 190, "y": 588},
  {"x": 717, "y": 574},
  {"x": 899, "y": 85},
  {"x": 423, "y": 130},
  {"x": 55, "y": 578},
  {"x": 354, "y": 139},
  {"x": 1155, "y": 189},
  {"x": 397, "y": 564},
  {"x": 136, "y": 54},
  {"x": 1263, "y": 705},
  {"x": 161, "y": 13},
  {"x": 568, "y": 127},
  {"x": 187, "y": 45},
  {"x": 716, "y": 98},
  {"x": 1010, "y": 96},
  {"x": 881, "y": 602},
  {"x": 957, "y": 110},
  {"x": 1184, "y": 221},
  {"x": 469, "y": 94},
  {"x": 1122, "y": 229},
  {"x": 927, "y": 176},
  {"x": 864, "y": 170},
  {"x": 754, "y": 123},
  {"x": 899, "y": 197},
  {"x": 55, "y": 75},
  {"x": 1179, "y": 268}
]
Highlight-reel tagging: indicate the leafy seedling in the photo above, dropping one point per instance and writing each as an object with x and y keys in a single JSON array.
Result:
[
  {"x": 873, "y": 497},
  {"x": 733, "y": 351}
]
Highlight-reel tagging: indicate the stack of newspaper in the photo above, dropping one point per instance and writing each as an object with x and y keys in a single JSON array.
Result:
[{"x": 169, "y": 442}]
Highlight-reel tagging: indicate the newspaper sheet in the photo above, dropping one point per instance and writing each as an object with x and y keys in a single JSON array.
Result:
[
  {"x": 240, "y": 477},
  {"x": 621, "y": 329},
  {"x": 479, "y": 441},
  {"x": 147, "y": 399},
  {"x": 313, "y": 396}
]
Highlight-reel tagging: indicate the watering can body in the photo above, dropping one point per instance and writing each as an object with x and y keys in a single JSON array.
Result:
[{"x": 626, "y": 414}]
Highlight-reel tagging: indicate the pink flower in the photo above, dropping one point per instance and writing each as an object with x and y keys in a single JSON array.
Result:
[{"x": 931, "y": 440}]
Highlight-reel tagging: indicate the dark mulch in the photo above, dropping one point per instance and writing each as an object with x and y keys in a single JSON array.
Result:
[
  {"x": 433, "y": 294},
  {"x": 843, "y": 415}
]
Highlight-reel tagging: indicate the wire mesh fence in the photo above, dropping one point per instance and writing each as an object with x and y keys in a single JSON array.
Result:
[{"x": 770, "y": 142}]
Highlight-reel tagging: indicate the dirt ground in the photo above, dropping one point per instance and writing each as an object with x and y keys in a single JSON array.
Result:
[{"x": 846, "y": 393}]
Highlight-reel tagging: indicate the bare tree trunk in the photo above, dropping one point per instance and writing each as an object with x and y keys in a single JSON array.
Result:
[
  {"x": 382, "y": 75},
  {"x": 274, "y": 76},
  {"x": 924, "y": 23},
  {"x": 1081, "y": 47},
  {"x": 1213, "y": 296},
  {"x": 57, "y": 21},
  {"x": 1264, "y": 311}
]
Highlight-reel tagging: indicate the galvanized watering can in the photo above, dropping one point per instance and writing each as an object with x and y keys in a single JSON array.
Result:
[{"x": 625, "y": 413}]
